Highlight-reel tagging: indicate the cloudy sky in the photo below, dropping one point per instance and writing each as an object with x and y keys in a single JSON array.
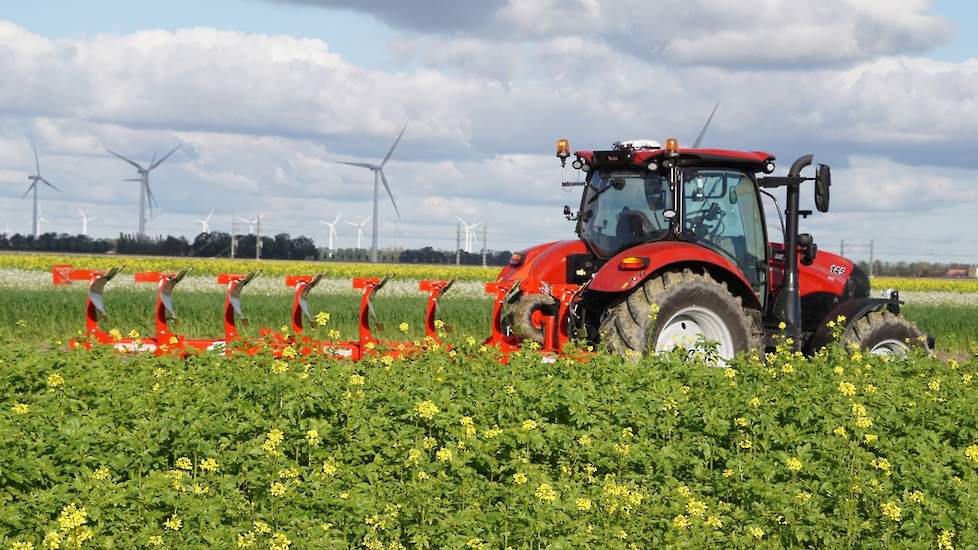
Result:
[{"x": 263, "y": 94}]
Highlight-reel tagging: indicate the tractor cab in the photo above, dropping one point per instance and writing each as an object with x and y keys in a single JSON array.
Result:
[{"x": 640, "y": 193}]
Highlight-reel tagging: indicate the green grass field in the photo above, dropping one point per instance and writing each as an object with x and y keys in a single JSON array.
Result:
[{"x": 57, "y": 313}]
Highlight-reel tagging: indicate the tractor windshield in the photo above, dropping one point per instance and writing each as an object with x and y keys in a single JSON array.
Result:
[{"x": 623, "y": 208}]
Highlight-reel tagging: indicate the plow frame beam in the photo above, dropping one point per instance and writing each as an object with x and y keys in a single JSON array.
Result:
[
  {"x": 303, "y": 284},
  {"x": 435, "y": 289},
  {"x": 234, "y": 283},
  {"x": 500, "y": 290},
  {"x": 369, "y": 287}
]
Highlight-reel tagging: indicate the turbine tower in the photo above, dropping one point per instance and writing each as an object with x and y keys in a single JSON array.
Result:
[
  {"x": 145, "y": 192},
  {"x": 33, "y": 187},
  {"x": 332, "y": 232},
  {"x": 359, "y": 227},
  {"x": 85, "y": 219},
  {"x": 205, "y": 224},
  {"x": 378, "y": 170},
  {"x": 469, "y": 233}
]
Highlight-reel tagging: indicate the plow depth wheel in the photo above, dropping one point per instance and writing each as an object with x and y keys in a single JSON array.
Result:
[
  {"x": 527, "y": 316},
  {"x": 884, "y": 333},
  {"x": 692, "y": 307}
]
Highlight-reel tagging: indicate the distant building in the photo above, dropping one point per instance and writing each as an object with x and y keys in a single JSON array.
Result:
[{"x": 973, "y": 272}]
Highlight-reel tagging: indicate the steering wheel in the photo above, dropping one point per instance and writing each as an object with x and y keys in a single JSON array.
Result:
[{"x": 699, "y": 224}]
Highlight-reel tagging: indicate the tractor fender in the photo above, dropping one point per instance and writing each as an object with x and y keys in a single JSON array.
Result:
[
  {"x": 853, "y": 310},
  {"x": 611, "y": 278},
  {"x": 546, "y": 262}
]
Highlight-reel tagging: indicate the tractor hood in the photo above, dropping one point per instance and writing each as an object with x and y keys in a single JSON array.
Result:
[{"x": 551, "y": 262}]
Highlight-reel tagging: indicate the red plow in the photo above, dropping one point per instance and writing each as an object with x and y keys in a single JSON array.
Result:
[{"x": 300, "y": 341}]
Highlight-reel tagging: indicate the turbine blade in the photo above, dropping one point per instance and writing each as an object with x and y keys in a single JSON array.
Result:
[
  {"x": 460, "y": 220},
  {"x": 337, "y": 219},
  {"x": 396, "y": 141},
  {"x": 111, "y": 152},
  {"x": 348, "y": 223},
  {"x": 166, "y": 156},
  {"x": 134, "y": 179},
  {"x": 51, "y": 185},
  {"x": 699, "y": 138},
  {"x": 82, "y": 212},
  {"x": 37, "y": 163},
  {"x": 29, "y": 188},
  {"x": 389, "y": 194},
  {"x": 208, "y": 218},
  {"x": 359, "y": 164}
]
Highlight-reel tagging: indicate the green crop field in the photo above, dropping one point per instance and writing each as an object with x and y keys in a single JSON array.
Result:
[{"x": 454, "y": 450}]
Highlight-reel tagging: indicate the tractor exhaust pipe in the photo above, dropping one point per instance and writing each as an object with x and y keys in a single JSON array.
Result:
[{"x": 790, "y": 301}]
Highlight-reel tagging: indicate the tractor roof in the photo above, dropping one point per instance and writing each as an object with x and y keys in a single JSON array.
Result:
[{"x": 753, "y": 161}]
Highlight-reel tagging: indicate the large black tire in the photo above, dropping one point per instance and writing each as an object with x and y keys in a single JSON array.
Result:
[
  {"x": 522, "y": 316},
  {"x": 629, "y": 329},
  {"x": 884, "y": 333}
]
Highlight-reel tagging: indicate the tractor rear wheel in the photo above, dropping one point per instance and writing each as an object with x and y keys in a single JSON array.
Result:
[
  {"x": 679, "y": 308},
  {"x": 526, "y": 316},
  {"x": 884, "y": 333}
]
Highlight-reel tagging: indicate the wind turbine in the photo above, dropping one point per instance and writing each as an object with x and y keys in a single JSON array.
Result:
[
  {"x": 699, "y": 138},
  {"x": 378, "y": 170},
  {"x": 359, "y": 227},
  {"x": 205, "y": 224},
  {"x": 144, "y": 189},
  {"x": 41, "y": 219},
  {"x": 85, "y": 219},
  {"x": 33, "y": 187},
  {"x": 251, "y": 223},
  {"x": 332, "y": 232},
  {"x": 468, "y": 227}
]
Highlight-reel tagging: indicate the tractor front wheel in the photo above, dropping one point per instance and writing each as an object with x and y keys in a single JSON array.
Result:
[
  {"x": 884, "y": 333},
  {"x": 679, "y": 308}
]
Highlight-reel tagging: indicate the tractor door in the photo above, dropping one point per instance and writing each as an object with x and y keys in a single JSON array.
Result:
[{"x": 722, "y": 212}]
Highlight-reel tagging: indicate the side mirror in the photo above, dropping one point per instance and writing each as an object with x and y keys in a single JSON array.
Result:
[
  {"x": 808, "y": 248},
  {"x": 823, "y": 180}
]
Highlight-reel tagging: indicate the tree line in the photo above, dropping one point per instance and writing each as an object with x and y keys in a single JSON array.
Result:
[{"x": 218, "y": 244}]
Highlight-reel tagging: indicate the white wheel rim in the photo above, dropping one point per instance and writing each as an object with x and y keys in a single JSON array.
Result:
[
  {"x": 890, "y": 347},
  {"x": 690, "y": 326}
]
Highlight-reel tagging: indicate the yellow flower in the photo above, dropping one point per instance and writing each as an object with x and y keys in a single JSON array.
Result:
[
  {"x": 680, "y": 522},
  {"x": 21, "y": 408},
  {"x": 491, "y": 432},
  {"x": 356, "y": 380},
  {"x": 262, "y": 528},
  {"x": 945, "y": 541},
  {"x": 787, "y": 368},
  {"x": 696, "y": 508},
  {"x": 333, "y": 334},
  {"x": 841, "y": 432},
  {"x": 208, "y": 465},
  {"x": 683, "y": 491},
  {"x": 278, "y": 488},
  {"x": 439, "y": 324},
  {"x": 847, "y": 389},
  {"x": 279, "y": 541},
  {"x": 755, "y": 402},
  {"x": 134, "y": 334},
  {"x": 864, "y": 422},
  {"x": 882, "y": 464},
  {"x": 289, "y": 352},
  {"x": 403, "y": 327},
  {"x": 746, "y": 444},
  {"x": 730, "y": 373},
  {"x": 53, "y": 539},
  {"x": 623, "y": 449},
  {"x": 793, "y": 464},
  {"x": 426, "y": 410},
  {"x": 71, "y": 517},
  {"x": 55, "y": 380},
  {"x": 102, "y": 473},
  {"x": 322, "y": 319},
  {"x": 519, "y": 478},
  {"x": 422, "y": 476},
  {"x": 755, "y": 532},
  {"x": 935, "y": 384},
  {"x": 869, "y": 388},
  {"x": 838, "y": 371},
  {"x": 428, "y": 443},
  {"x": 584, "y": 441},
  {"x": 312, "y": 437},
  {"x": 246, "y": 540},
  {"x": 713, "y": 522},
  {"x": 891, "y": 510},
  {"x": 272, "y": 439},
  {"x": 870, "y": 438},
  {"x": 184, "y": 463},
  {"x": 741, "y": 421},
  {"x": 583, "y": 504},
  {"x": 414, "y": 456},
  {"x": 22, "y": 546},
  {"x": 174, "y": 523},
  {"x": 782, "y": 325},
  {"x": 728, "y": 472},
  {"x": 529, "y": 425},
  {"x": 329, "y": 468},
  {"x": 803, "y": 496},
  {"x": 545, "y": 492},
  {"x": 115, "y": 334},
  {"x": 971, "y": 453},
  {"x": 916, "y": 497},
  {"x": 444, "y": 454},
  {"x": 279, "y": 366}
]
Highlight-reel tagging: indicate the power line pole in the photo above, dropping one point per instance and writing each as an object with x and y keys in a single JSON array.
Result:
[
  {"x": 458, "y": 244},
  {"x": 234, "y": 237},
  {"x": 870, "y": 257},
  {"x": 258, "y": 238},
  {"x": 485, "y": 234},
  {"x": 842, "y": 248}
]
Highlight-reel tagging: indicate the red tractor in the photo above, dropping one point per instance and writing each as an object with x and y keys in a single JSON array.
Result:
[{"x": 672, "y": 250}]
